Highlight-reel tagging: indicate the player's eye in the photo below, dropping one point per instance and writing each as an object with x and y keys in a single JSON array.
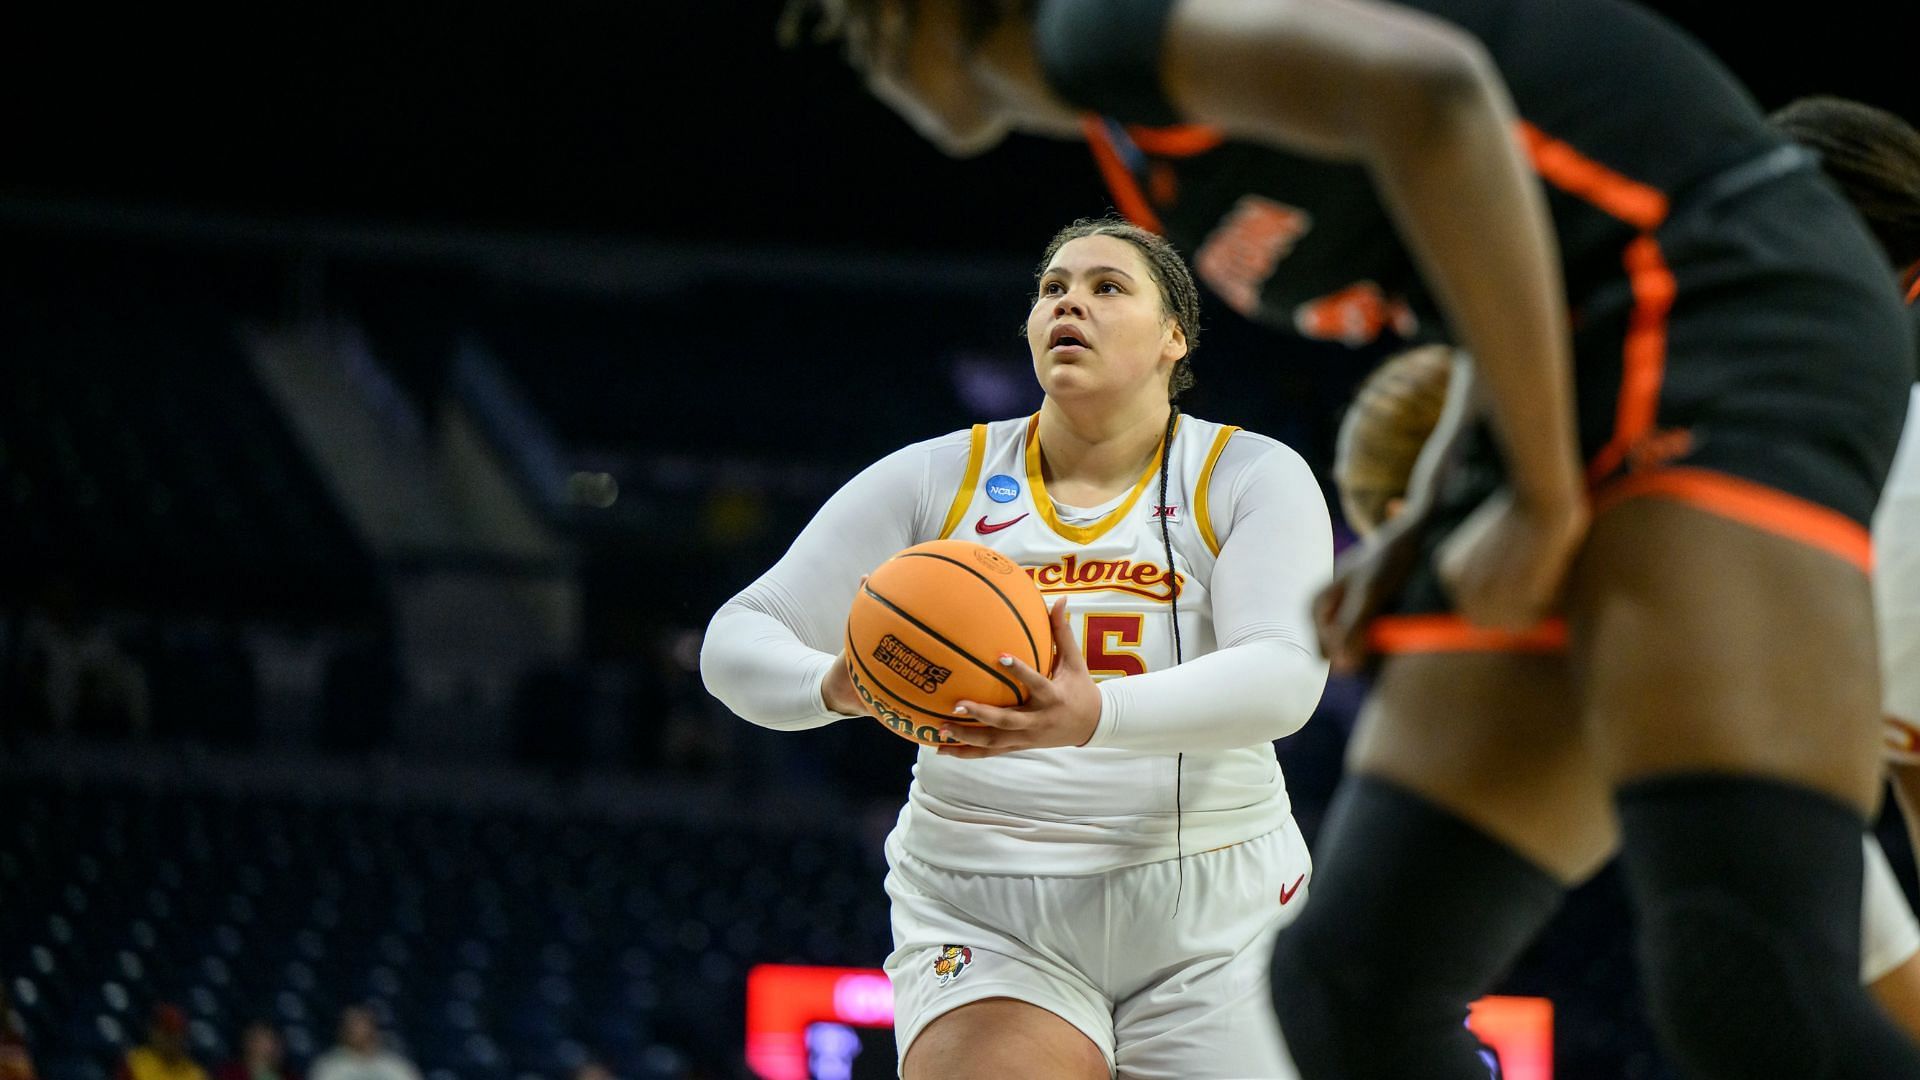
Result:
[
  {"x": 1052, "y": 288},
  {"x": 1111, "y": 287}
]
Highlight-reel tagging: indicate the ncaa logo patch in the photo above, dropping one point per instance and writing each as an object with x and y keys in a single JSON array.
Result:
[
  {"x": 953, "y": 960},
  {"x": 1002, "y": 488}
]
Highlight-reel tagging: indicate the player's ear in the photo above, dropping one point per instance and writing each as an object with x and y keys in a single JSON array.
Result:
[{"x": 1176, "y": 341}]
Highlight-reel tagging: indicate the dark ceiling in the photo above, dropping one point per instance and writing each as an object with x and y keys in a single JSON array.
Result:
[{"x": 645, "y": 120}]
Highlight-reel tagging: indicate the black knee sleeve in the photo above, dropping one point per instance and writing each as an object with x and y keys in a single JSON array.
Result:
[
  {"x": 1747, "y": 893},
  {"x": 1412, "y": 914}
]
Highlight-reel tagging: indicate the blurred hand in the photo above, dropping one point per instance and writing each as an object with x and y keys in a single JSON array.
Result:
[
  {"x": 1061, "y": 711},
  {"x": 1505, "y": 566},
  {"x": 837, "y": 691},
  {"x": 1369, "y": 574}
]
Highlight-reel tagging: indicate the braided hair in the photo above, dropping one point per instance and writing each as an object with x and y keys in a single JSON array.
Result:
[{"x": 1875, "y": 158}]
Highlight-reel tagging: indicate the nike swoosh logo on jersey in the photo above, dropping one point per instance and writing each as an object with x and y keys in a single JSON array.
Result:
[
  {"x": 983, "y": 526},
  {"x": 1287, "y": 891}
]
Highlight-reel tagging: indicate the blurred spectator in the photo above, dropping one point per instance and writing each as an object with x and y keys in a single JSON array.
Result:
[
  {"x": 15, "y": 1062},
  {"x": 593, "y": 1070},
  {"x": 361, "y": 1054},
  {"x": 164, "y": 1056},
  {"x": 262, "y": 1056}
]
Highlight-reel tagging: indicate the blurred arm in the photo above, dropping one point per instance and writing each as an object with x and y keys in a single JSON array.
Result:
[{"x": 1420, "y": 102}]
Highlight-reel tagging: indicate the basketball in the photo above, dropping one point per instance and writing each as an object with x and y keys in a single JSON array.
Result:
[{"x": 927, "y": 630}]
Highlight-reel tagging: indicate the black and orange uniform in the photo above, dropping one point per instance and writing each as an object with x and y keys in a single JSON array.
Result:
[{"x": 1737, "y": 345}]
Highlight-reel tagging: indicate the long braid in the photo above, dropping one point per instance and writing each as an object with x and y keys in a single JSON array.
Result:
[{"x": 1173, "y": 602}]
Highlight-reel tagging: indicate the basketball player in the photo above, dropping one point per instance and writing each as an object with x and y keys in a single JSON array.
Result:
[
  {"x": 1665, "y": 482},
  {"x": 1381, "y": 439},
  {"x": 1086, "y": 886}
]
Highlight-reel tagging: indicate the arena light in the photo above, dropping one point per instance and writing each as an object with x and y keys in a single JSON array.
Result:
[{"x": 783, "y": 999}]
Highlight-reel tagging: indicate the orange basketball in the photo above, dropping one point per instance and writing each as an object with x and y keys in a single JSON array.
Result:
[{"x": 929, "y": 627}]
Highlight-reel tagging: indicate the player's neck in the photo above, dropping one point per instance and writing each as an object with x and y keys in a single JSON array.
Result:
[{"x": 1089, "y": 456}]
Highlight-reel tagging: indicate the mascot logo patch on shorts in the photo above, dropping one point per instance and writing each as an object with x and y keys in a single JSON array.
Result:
[{"x": 953, "y": 960}]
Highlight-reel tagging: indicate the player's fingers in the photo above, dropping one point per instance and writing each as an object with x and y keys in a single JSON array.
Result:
[
  {"x": 1326, "y": 610},
  {"x": 1066, "y": 645},
  {"x": 970, "y": 734},
  {"x": 992, "y": 716},
  {"x": 1350, "y": 625},
  {"x": 968, "y": 753},
  {"x": 1036, "y": 683}
]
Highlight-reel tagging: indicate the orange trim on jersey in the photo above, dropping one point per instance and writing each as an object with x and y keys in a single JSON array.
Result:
[
  {"x": 1121, "y": 182},
  {"x": 964, "y": 497},
  {"x": 1183, "y": 140},
  {"x": 1454, "y": 634},
  {"x": 1644, "y": 360},
  {"x": 1640, "y": 205},
  {"x": 1201, "y": 515},
  {"x": 1912, "y": 284},
  {"x": 1083, "y": 534},
  {"x": 1764, "y": 508}
]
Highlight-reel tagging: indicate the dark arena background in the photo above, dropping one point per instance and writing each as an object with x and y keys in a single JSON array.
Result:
[{"x": 389, "y": 394}]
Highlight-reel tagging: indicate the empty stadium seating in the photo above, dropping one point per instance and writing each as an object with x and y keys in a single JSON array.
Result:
[{"x": 495, "y": 945}]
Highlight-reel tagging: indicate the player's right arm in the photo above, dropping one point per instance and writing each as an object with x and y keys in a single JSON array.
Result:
[
  {"x": 1421, "y": 104},
  {"x": 769, "y": 650}
]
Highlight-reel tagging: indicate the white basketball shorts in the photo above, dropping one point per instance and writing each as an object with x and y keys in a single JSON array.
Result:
[{"x": 1180, "y": 994}]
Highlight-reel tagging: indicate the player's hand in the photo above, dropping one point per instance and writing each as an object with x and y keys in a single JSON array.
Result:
[
  {"x": 1506, "y": 564},
  {"x": 1369, "y": 574},
  {"x": 837, "y": 692},
  {"x": 1061, "y": 711},
  {"x": 836, "y": 689}
]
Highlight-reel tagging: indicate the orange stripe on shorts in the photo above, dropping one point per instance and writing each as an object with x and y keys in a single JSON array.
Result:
[
  {"x": 1449, "y": 633},
  {"x": 1756, "y": 505}
]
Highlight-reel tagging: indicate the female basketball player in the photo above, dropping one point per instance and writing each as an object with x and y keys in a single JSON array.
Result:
[
  {"x": 1085, "y": 886},
  {"x": 1381, "y": 440},
  {"x": 1644, "y": 583}
]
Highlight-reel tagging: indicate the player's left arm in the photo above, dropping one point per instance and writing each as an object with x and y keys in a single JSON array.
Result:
[{"x": 1265, "y": 677}]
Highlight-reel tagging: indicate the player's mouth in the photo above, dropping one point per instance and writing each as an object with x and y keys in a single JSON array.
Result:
[{"x": 1067, "y": 339}]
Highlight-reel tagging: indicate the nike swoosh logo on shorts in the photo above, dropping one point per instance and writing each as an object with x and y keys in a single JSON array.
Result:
[
  {"x": 1287, "y": 891},
  {"x": 983, "y": 526}
]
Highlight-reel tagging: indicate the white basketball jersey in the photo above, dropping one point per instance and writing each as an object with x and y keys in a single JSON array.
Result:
[
  {"x": 1896, "y": 582},
  {"x": 1096, "y": 808}
]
